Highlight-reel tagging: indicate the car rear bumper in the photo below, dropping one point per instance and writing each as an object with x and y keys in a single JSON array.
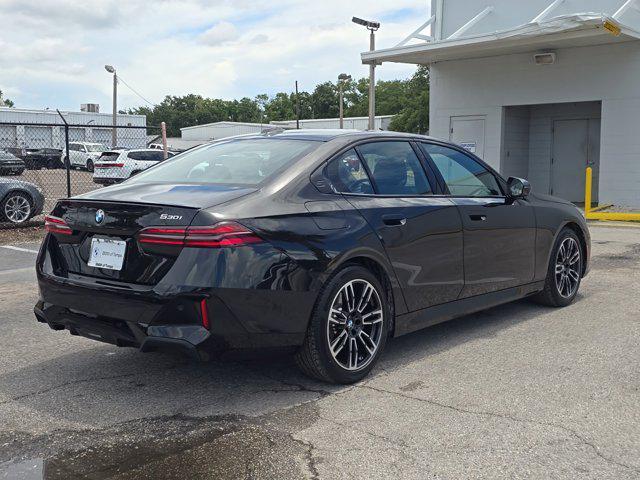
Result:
[
  {"x": 148, "y": 322},
  {"x": 193, "y": 340},
  {"x": 107, "y": 180}
]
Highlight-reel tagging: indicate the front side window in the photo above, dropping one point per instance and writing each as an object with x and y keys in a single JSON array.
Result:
[
  {"x": 395, "y": 168},
  {"x": 347, "y": 174},
  {"x": 241, "y": 162},
  {"x": 464, "y": 176}
]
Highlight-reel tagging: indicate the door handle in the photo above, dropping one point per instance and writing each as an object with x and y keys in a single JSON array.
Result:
[
  {"x": 394, "y": 220},
  {"x": 478, "y": 218}
]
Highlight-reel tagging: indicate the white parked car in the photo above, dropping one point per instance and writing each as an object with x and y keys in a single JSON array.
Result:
[
  {"x": 83, "y": 154},
  {"x": 115, "y": 166}
]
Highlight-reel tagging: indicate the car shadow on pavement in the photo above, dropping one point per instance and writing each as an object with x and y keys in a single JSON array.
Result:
[{"x": 100, "y": 383}]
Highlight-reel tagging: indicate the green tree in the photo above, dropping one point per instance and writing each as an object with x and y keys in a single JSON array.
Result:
[
  {"x": 5, "y": 102},
  {"x": 408, "y": 100},
  {"x": 414, "y": 115}
]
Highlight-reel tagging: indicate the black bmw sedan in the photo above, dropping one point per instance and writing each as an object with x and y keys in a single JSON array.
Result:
[{"x": 326, "y": 242}]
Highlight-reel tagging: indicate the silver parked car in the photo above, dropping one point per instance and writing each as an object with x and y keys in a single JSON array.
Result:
[{"x": 20, "y": 200}]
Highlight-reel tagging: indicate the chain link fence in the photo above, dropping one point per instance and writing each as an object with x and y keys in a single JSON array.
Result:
[{"x": 43, "y": 162}]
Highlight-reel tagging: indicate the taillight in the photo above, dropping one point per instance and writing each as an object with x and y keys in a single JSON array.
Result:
[
  {"x": 56, "y": 225},
  {"x": 109, "y": 165},
  {"x": 204, "y": 313},
  {"x": 225, "y": 234}
]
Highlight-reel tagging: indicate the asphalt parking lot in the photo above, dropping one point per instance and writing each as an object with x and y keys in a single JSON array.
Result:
[{"x": 518, "y": 391}]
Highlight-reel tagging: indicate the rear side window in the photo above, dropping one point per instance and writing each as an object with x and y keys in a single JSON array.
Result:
[
  {"x": 395, "y": 168},
  {"x": 347, "y": 174},
  {"x": 238, "y": 162},
  {"x": 464, "y": 176}
]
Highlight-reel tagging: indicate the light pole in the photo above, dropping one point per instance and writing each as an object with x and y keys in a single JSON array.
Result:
[
  {"x": 114, "y": 132},
  {"x": 372, "y": 27},
  {"x": 342, "y": 79}
]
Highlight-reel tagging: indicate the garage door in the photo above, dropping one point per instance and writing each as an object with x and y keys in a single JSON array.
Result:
[
  {"x": 8, "y": 137},
  {"x": 103, "y": 136},
  {"x": 38, "y": 137},
  {"x": 77, "y": 135}
]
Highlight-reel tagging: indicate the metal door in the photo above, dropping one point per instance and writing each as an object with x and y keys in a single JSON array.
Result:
[
  {"x": 8, "y": 137},
  {"x": 468, "y": 132},
  {"x": 38, "y": 137},
  {"x": 576, "y": 145}
]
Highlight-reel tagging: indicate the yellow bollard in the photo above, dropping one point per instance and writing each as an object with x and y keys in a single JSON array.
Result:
[{"x": 587, "y": 191}]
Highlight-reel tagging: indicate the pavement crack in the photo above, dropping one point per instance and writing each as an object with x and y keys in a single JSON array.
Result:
[
  {"x": 63, "y": 385},
  {"x": 310, "y": 457},
  {"x": 503, "y": 416}
]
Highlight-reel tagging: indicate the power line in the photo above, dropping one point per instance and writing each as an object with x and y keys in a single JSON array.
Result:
[{"x": 135, "y": 91}]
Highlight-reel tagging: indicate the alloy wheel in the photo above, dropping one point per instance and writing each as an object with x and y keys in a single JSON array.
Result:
[
  {"x": 568, "y": 267},
  {"x": 355, "y": 325},
  {"x": 17, "y": 208}
]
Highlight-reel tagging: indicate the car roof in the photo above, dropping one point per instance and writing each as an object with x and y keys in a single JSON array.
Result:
[{"x": 325, "y": 135}]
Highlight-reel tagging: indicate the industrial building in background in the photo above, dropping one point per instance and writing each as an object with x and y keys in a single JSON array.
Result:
[
  {"x": 19, "y": 128},
  {"x": 215, "y": 131},
  {"x": 539, "y": 89}
]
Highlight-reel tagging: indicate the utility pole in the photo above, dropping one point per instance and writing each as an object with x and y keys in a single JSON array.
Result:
[
  {"x": 372, "y": 27},
  {"x": 114, "y": 131},
  {"x": 372, "y": 82},
  {"x": 342, "y": 79},
  {"x": 297, "y": 108}
]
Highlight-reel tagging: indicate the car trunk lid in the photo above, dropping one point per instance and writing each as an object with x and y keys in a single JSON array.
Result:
[{"x": 108, "y": 217}]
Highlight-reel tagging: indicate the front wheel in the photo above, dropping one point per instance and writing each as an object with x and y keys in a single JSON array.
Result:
[
  {"x": 89, "y": 165},
  {"x": 564, "y": 273},
  {"x": 16, "y": 207},
  {"x": 348, "y": 328}
]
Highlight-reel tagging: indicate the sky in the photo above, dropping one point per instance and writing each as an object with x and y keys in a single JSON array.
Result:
[{"x": 53, "y": 52}]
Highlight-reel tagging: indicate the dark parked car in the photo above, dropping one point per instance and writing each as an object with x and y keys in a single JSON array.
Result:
[
  {"x": 19, "y": 200},
  {"x": 325, "y": 242},
  {"x": 43, "y": 158},
  {"x": 10, "y": 164}
]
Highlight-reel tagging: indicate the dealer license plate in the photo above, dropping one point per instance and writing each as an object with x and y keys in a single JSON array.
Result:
[{"x": 107, "y": 253}]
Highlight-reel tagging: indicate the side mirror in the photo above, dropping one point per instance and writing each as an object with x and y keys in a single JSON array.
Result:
[{"x": 518, "y": 187}]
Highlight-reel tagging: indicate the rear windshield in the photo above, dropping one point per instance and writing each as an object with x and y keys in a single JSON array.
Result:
[{"x": 241, "y": 162}]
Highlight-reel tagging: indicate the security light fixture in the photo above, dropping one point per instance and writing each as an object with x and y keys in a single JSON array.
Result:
[
  {"x": 546, "y": 58},
  {"x": 109, "y": 69},
  {"x": 373, "y": 26},
  {"x": 343, "y": 77}
]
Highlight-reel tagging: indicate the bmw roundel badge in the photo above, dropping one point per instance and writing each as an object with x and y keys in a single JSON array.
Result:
[{"x": 99, "y": 216}]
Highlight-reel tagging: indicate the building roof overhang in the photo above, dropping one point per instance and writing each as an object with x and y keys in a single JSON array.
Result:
[{"x": 559, "y": 32}]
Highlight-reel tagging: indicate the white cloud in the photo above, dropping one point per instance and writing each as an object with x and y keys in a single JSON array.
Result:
[
  {"x": 219, "y": 34},
  {"x": 53, "y": 52}
]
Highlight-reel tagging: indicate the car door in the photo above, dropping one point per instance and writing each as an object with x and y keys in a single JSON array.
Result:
[
  {"x": 421, "y": 233},
  {"x": 499, "y": 232},
  {"x": 76, "y": 154}
]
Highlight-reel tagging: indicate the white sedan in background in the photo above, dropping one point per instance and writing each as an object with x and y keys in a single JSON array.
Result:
[{"x": 115, "y": 166}]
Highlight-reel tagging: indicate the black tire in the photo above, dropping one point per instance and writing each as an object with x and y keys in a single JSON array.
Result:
[
  {"x": 551, "y": 295},
  {"x": 13, "y": 197},
  {"x": 314, "y": 357},
  {"x": 89, "y": 165}
]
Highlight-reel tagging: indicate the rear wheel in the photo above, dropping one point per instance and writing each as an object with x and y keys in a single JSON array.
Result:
[
  {"x": 565, "y": 271},
  {"x": 16, "y": 207},
  {"x": 348, "y": 328}
]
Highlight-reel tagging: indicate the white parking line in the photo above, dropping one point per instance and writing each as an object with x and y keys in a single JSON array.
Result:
[
  {"x": 19, "y": 249},
  {"x": 17, "y": 270}
]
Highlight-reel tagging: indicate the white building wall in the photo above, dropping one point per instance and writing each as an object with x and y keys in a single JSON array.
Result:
[
  {"x": 354, "y": 123},
  {"x": 607, "y": 73},
  {"x": 216, "y": 131},
  {"x": 90, "y": 132}
]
